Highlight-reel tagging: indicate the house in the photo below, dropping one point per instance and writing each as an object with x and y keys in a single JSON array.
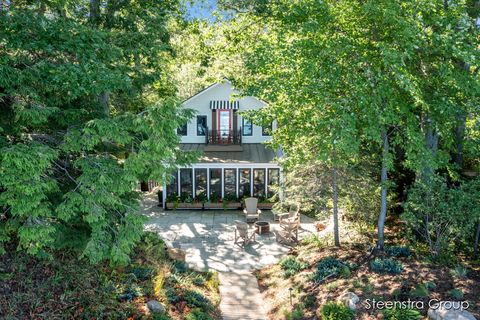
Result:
[{"x": 234, "y": 163}]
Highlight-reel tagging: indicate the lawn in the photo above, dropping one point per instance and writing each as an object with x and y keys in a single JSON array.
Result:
[{"x": 70, "y": 288}]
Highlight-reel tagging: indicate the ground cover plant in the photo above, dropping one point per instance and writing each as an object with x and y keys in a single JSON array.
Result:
[{"x": 66, "y": 287}]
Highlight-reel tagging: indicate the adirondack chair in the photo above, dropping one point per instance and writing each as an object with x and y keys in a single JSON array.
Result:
[
  {"x": 251, "y": 211},
  {"x": 242, "y": 234},
  {"x": 290, "y": 222}
]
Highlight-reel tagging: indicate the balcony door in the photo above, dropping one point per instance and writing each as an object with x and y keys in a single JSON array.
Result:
[{"x": 225, "y": 125}]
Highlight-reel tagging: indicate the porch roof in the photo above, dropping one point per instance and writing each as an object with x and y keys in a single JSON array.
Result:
[{"x": 250, "y": 153}]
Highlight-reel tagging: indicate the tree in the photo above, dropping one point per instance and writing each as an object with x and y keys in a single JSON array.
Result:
[{"x": 69, "y": 166}]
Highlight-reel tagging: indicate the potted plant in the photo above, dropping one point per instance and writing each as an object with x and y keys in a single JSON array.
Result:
[
  {"x": 188, "y": 202},
  {"x": 265, "y": 203},
  {"x": 172, "y": 201},
  {"x": 230, "y": 201},
  {"x": 215, "y": 202}
]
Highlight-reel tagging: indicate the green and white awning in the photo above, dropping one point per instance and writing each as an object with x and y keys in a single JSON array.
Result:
[{"x": 224, "y": 104}]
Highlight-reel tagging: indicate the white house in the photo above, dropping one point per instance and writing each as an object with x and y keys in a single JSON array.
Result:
[{"x": 234, "y": 163}]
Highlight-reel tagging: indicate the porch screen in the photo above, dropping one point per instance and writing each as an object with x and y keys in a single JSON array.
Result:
[
  {"x": 230, "y": 183},
  {"x": 186, "y": 184},
  {"x": 215, "y": 184},
  {"x": 172, "y": 187},
  {"x": 200, "y": 182},
  {"x": 258, "y": 182},
  {"x": 273, "y": 181},
  {"x": 244, "y": 182}
]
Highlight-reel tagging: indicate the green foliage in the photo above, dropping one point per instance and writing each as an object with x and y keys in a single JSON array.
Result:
[
  {"x": 309, "y": 300},
  {"x": 456, "y": 294},
  {"x": 449, "y": 212},
  {"x": 336, "y": 311},
  {"x": 196, "y": 299},
  {"x": 291, "y": 266},
  {"x": 328, "y": 267},
  {"x": 459, "y": 271},
  {"x": 420, "y": 291},
  {"x": 86, "y": 112},
  {"x": 398, "y": 251},
  {"x": 197, "y": 314},
  {"x": 401, "y": 314},
  {"x": 296, "y": 314},
  {"x": 387, "y": 265}
]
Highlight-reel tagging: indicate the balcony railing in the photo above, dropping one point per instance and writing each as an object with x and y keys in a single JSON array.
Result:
[{"x": 223, "y": 137}]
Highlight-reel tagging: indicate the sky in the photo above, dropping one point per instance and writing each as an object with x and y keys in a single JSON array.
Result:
[{"x": 201, "y": 9}]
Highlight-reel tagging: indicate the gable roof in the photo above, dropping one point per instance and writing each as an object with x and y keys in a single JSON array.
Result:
[{"x": 205, "y": 90}]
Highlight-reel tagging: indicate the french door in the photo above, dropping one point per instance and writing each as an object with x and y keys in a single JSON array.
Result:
[{"x": 225, "y": 125}]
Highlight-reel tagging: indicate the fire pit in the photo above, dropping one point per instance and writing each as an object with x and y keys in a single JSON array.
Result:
[{"x": 262, "y": 227}]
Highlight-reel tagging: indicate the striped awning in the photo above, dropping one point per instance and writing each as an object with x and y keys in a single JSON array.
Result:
[{"x": 224, "y": 104}]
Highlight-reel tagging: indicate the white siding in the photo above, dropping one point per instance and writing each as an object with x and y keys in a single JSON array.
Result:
[{"x": 220, "y": 91}]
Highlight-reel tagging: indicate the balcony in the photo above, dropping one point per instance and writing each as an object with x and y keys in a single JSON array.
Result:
[{"x": 223, "y": 137}]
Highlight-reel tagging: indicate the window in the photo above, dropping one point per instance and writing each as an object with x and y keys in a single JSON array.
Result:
[
  {"x": 172, "y": 187},
  {"x": 273, "y": 181},
  {"x": 230, "y": 183},
  {"x": 267, "y": 131},
  {"x": 247, "y": 127},
  {"x": 186, "y": 184},
  {"x": 201, "y": 125},
  {"x": 182, "y": 130},
  {"x": 258, "y": 182},
  {"x": 215, "y": 184},
  {"x": 244, "y": 176},
  {"x": 200, "y": 182}
]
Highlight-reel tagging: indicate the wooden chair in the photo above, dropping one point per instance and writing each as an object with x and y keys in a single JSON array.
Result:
[
  {"x": 292, "y": 212},
  {"x": 251, "y": 211},
  {"x": 242, "y": 233},
  {"x": 290, "y": 222}
]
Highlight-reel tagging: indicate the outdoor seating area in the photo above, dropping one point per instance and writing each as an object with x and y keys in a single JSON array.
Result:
[{"x": 222, "y": 240}]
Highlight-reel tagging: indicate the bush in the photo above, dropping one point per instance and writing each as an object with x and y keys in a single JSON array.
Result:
[
  {"x": 459, "y": 271},
  {"x": 401, "y": 314},
  {"x": 336, "y": 311},
  {"x": 295, "y": 314},
  {"x": 197, "y": 314},
  {"x": 386, "y": 266},
  {"x": 420, "y": 291},
  {"x": 196, "y": 299},
  {"x": 456, "y": 294},
  {"x": 328, "y": 267},
  {"x": 291, "y": 266},
  {"x": 142, "y": 273},
  {"x": 309, "y": 300},
  {"x": 398, "y": 251}
]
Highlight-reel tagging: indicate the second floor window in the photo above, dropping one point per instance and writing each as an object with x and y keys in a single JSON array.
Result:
[
  {"x": 267, "y": 130},
  {"x": 182, "y": 130},
  {"x": 201, "y": 125},
  {"x": 247, "y": 127}
]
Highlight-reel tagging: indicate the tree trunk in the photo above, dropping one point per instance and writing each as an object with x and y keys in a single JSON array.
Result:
[
  {"x": 383, "y": 192},
  {"x": 104, "y": 99},
  {"x": 94, "y": 11},
  {"x": 431, "y": 143},
  {"x": 336, "y": 232},
  {"x": 477, "y": 238}
]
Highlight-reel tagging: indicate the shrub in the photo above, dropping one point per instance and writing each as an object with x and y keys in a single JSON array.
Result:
[
  {"x": 196, "y": 299},
  {"x": 388, "y": 265},
  {"x": 142, "y": 273},
  {"x": 291, "y": 266},
  {"x": 459, "y": 271},
  {"x": 456, "y": 294},
  {"x": 328, "y": 267},
  {"x": 171, "y": 295},
  {"x": 430, "y": 285},
  {"x": 197, "y": 314},
  {"x": 198, "y": 280},
  {"x": 336, "y": 311},
  {"x": 180, "y": 267},
  {"x": 401, "y": 314},
  {"x": 420, "y": 291},
  {"x": 160, "y": 316},
  {"x": 295, "y": 314},
  {"x": 309, "y": 300},
  {"x": 398, "y": 251}
]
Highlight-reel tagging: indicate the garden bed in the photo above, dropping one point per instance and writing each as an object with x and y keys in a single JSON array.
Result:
[{"x": 419, "y": 281}]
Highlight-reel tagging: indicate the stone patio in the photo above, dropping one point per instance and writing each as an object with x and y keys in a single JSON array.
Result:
[{"x": 207, "y": 237}]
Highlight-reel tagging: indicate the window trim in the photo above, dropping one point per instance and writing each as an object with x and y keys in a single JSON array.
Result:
[
  {"x": 196, "y": 127},
  {"x": 243, "y": 127}
]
